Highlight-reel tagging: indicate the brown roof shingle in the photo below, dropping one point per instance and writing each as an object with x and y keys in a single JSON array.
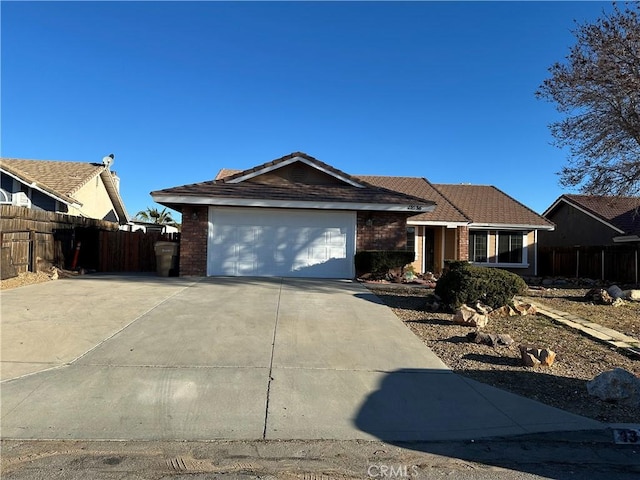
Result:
[
  {"x": 61, "y": 179},
  {"x": 486, "y": 205},
  {"x": 223, "y": 188},
  {"x": 422, "y": 188},
  {"x": 621, "y": 212}
]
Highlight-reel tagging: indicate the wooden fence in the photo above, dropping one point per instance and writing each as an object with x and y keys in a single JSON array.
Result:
[
  {"x": 618, "y": 263},
  {"x": 33, "y": 240},
  {"x": 130, "y": 251}
]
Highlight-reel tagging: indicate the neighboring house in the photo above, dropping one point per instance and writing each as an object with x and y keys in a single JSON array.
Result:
[
  {"x": 586, "y": 220},
  {"x": 297, "y": 216},
  {"x": 74, "y": 188},
  {"x": 148, "y": 227}
]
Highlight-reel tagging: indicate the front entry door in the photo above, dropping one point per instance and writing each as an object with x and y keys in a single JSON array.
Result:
[{"x": 429, "y": 250}]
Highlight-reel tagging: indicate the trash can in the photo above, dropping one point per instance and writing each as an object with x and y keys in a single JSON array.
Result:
[{"x": 167, "y": 258}]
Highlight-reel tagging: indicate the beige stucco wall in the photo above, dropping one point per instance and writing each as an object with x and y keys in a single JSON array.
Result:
[
  {"x": 417, "y": 263},
  {"x": 95, "y": 200}
]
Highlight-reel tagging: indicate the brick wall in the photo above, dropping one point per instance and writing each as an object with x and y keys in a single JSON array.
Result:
[
  {"x": 193, "y": 241},
  {"x": 381, "y": 231},
  {"x": 463, "y": 243}
]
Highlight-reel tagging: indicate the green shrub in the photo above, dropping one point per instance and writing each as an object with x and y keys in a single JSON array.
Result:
[
  {"x": 379, "y": 262},
  {"x": 466, "y": 283}
]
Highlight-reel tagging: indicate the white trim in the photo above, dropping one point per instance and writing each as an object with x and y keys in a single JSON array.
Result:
[
  {"x": 444, "y": 250},
  {"x": 247, "y": 202},
  {"x": 589, "y": 214},
  {"x": 626, "y": 238},
  {"x": 284, "y": 163},
  {"x": 507, "y": 226},
  {"x": 495, "y": 235},
  {"x": 436, "y": 224},
  {"x": 535, "y": 253}
]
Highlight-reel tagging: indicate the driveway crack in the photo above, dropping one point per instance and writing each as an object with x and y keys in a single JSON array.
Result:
[{"x": 270, "y": 378}]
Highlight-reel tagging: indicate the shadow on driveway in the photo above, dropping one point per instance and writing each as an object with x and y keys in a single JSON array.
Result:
[{"x": 447, "y": 414}]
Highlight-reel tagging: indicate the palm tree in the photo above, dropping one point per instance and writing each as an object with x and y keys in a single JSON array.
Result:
[{"x": 153, "y": 215}]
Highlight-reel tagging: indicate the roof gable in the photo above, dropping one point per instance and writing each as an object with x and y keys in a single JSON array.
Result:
[
  {"x": 620, "y": 213},
  {"x": 59, "y": 179},
  {"x": 297, "y": 167},
  {"x": 296, "y": 180},
  {"x": 62, "y": 179}
]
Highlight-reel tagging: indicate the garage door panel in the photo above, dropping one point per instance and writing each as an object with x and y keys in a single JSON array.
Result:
[{"x": 269, "y": 242}]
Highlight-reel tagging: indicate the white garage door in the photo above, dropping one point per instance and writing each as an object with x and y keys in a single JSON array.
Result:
[{"x": 267, "y": 242}]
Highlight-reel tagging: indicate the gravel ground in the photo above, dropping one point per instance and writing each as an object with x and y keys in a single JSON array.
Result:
[
  {"x": 563, "y": 385},
  {"x": 624, "y": 318}
]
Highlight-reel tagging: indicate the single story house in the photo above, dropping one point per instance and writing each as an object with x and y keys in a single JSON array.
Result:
[
  {"x": 89, "y": 190},
  {"x": 591, "y": 220},
  {"x": 298, "y": 216},
  {"x": 479, "y": 223}
]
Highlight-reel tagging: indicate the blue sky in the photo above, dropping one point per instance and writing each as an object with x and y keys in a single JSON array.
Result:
[{"x": 178, "y": 90}]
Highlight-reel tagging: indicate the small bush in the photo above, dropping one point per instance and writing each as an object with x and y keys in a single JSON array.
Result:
[
  {"x": 466, "y": 283},
  {"x": 379, "y": 262}
]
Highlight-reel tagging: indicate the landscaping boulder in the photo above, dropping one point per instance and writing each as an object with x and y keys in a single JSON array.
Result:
[
  {"x": 493, "y": 340},
  {"x": 599, "y": 296},
  {"x": 617, "y": 386},
  {"x": 632, "y": 295},
  {"x": 615, "y": 291},
  {"x": 525, "y": 308},
  {"x": 535, "y": 357},
  {"x": 468, "y": 316},
  {"x": 504, "y": 311}
]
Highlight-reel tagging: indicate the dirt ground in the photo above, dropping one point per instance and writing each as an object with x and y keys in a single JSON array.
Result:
[
  {"x": 578, "y": 358},
  {"x": 30, "y": 278}
]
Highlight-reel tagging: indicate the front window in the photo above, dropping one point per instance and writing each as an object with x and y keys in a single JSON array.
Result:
[
  {"x": 478, "y": 246},
  {"x": 411, "y": 239},
  {"x": 510, "y": 247}
]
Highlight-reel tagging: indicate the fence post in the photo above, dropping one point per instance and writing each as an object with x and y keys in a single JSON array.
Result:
[
  {"x": 577, "y": 262},
  {"x": 602, "y": 261},
  {"x": 31, "y": 266}
]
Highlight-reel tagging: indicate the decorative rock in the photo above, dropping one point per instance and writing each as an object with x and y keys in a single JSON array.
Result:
[
  {"x": 615, "y": 291},
  {"x": 504, "y": 311},
  {"x": 598, "y": 295},
  {"x": 499, "y": 340},
  {"x": 525, "y": 308},
  {"x": 617, "y": 385},
  {"x": 469, "y": 317},
  {"x": 633, "y": 295},
  {"x": 618, "y": 302},
  {"x": 483, "y": 309},
  {"x": 534, "y": 357}
]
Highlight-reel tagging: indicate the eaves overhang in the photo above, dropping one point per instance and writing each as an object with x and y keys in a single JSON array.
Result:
[
  {"x": 626, "y": 239},
  {"x": 440, "y": 223},
  {"x": 114, "y": 196},
  {"x": 168, "y": 200},
  {"x": 510, "y": 226}
]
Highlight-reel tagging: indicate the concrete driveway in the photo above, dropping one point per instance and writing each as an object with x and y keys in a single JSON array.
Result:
[{"x": 146, "y": 358}]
